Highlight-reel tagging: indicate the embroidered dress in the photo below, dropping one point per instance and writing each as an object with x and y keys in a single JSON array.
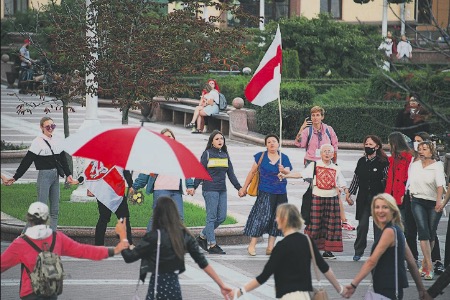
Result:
[{"x": 325, "y": 227}]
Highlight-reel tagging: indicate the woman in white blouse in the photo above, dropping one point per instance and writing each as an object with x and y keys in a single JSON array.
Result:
[{"x": 427, "y": 180}]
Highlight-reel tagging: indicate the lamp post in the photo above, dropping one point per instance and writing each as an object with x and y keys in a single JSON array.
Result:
[
  {"x": 261, "y": 15},
  {"x": 91, "y": 115}
]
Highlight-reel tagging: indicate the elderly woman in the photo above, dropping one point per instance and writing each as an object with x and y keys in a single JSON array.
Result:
[
  {"x": 426, "y": 188},
  {"x": 271, "y": 193},
  {"x": 384, "y": 259},
  {"x": 327, "y": 180}
]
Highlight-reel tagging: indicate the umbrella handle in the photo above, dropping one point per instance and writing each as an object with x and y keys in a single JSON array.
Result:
[{"x": 128, "y": 188}]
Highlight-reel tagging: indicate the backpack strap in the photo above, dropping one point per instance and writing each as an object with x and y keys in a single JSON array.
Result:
[
  {"x": 310, "y": 135},
  {"x": 35, "y": 247}
]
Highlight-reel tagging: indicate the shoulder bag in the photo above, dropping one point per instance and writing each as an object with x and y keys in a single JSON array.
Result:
[
  {"x": 253, "y": 187},
  {"x": 59, "y": 167},
  {"x": 144, "y": 269},
  {"x": 307, "y": 201},
  {"x": 371, "y": 295},
  {"x": 318, "y": 293}
]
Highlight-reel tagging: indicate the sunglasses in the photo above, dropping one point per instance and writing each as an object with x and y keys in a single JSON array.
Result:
[{"x": 48, "y": 127}]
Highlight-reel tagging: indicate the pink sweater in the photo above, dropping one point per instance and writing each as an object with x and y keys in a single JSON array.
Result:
[{"x": 20, "y": 252}]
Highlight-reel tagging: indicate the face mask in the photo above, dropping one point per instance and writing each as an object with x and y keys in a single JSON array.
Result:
[
  {"x": 369, "y": 151},
  {"x": 416, "y": 145}
]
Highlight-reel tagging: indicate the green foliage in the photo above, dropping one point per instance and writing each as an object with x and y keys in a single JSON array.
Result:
[
  {"x": 430, "y": 87},
  {"x": 323, "y": 44},
  {"x": 17, "y": 198},
  {"x": 9, "y": 146},
  {"x": 349, "y": 93},
  {"x": 299, "y": 92},
  {"x": 351, "y": 121},
  {"x": 291, "y": 64}
]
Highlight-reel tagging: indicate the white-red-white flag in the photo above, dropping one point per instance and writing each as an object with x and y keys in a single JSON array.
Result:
[
  {"x": 264, "y": 86},
  {"x": 106, "y": 183}
]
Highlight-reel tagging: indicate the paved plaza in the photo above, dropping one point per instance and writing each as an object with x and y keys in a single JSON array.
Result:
[{"x": 113, "y": 279}]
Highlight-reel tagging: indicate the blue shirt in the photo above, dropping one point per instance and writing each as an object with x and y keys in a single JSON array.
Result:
[{"x": 268, "y": 179}]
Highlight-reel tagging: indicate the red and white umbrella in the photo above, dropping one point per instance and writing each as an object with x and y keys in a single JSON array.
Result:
[{"x": 136, "y": 148}]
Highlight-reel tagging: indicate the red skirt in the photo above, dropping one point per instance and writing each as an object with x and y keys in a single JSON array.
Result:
[{"x": 325, "y": 228}]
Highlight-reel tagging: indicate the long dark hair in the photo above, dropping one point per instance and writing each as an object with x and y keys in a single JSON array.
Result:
[
  {"x": 398, "y": 144},
  {"x": 380, "y": 152},
  {"x": 210, "y": 140},
  {"x": 165, "y": 216}
]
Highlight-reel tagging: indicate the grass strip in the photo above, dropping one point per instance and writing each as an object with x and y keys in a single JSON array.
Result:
[{"x": 16, "y": 199}]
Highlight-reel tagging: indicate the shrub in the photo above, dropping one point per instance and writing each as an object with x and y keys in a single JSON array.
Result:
[
  {"x": 351, "y": 121},
  {"x": 349, "y": 93},
  {"x": 301, "y": 93},
  {"x": 291, "y": 64}
]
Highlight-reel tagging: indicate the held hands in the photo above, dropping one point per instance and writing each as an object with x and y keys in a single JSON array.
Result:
[
  {"x": 190, "y": 191},
  {"x": 226, "y": 291},
  {"x": 349, "y": 199},
  {"x": 348, "y": 291},
  {"x": 123, "y": 244},
  {"x": 281, "y": 176},
  {"x": 71, "y": 180},
  {"x": 8, "y": 181},
  {"x": 242, "y": 192}
]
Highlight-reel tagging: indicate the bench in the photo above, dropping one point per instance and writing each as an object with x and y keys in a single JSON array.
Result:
[{"x": 179, "y": 113}]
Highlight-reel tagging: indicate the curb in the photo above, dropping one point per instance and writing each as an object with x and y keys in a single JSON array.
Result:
[{"x": 226, "y": 234}]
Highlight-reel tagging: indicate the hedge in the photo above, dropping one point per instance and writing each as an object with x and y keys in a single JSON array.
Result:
[{"x": 352, "y": 122}]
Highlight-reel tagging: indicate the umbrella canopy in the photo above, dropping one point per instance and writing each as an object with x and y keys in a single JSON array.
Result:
[{"x": 136, "y": 148}]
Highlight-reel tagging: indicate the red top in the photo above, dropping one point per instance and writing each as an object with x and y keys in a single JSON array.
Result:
[
  {"x": 398, "y": 175},
  {"x": 20, "y": 252}
]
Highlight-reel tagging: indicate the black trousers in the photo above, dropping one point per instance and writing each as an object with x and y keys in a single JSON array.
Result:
[
  {"x": 363, "y": 229},
  {"x": 411, "y": 231},
  {"x": 105, "y": 217}
]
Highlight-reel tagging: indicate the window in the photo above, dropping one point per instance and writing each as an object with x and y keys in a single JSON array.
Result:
[
  {"x": 13, "y": 6},
  {"x": 333, "y": 7},
  {"x": 424, "y": 11},
  {"x": 273, "y": 11}
]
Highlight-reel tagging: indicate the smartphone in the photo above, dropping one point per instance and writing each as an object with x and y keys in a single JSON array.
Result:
[{"x": 308, "y": 121}]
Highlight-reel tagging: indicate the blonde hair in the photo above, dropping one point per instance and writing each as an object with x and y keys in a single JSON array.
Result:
[
  {"x": 291, "y": 214},
  {"x": 390, "y": 201},
  {"x": 318, "y": 109}
]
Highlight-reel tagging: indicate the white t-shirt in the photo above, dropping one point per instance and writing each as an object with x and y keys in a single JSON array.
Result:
[
  {"x": 214, "y": 95},
  {"x": 425, "y": 181}
]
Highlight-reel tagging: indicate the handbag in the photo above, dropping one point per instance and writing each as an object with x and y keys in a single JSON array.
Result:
[
  {"x": 307, "y": 201},
  {"x": 318, "y": 293},
  {"x": 59, "y": 167},
  {"x": 253, "y": 187},
  {"x": 144, "y": 269},
  {"x": 371, "y": 295}
]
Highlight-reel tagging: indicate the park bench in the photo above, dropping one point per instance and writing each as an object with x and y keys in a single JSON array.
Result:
[{"x": 179, "y": 113}]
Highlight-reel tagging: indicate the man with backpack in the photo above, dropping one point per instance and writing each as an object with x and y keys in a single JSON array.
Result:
[
  {"x": 312, "y": 135},
  {"x": 39, "y": 250}
]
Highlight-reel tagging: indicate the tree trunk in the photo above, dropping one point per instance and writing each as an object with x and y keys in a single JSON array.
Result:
[{"x": 125, "y": 111}]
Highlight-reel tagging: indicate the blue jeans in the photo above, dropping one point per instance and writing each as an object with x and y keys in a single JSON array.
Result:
[
  {"x": 175, "y": 195},
  {"x": 216, "y": 213},
  {"x": 427, "y": 219},
  {"x": 48, "y": 193}
]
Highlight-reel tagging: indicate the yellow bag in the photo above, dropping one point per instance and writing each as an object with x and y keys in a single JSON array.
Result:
[{"x": 252, "y": 189}]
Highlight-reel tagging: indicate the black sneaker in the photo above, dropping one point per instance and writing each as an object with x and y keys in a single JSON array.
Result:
[
  {"x": 438, "y": 268},
  {"x": 216, "y": 250},
  {"x": 328, "y": 255},
  {"x": 202, "y": 243}
]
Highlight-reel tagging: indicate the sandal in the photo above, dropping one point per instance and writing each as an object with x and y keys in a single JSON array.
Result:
[
  {"x": 190, "y": 125},
  {"x": 197, "y": 131}
]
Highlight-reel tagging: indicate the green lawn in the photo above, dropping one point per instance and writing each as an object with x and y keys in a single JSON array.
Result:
[{"x": 16, "y": 199}]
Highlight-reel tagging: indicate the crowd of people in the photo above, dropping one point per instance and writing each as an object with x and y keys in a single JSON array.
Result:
[{"x": 404, "y": 193}]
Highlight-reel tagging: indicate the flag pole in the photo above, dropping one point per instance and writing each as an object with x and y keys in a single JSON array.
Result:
[{"x": 281, "y": 126}]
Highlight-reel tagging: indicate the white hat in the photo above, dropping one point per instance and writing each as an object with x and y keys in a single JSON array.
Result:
[{"x": 39, "y": 209}]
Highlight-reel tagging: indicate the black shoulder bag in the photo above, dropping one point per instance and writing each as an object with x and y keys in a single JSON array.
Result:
[{"x": 307, "y": 201}]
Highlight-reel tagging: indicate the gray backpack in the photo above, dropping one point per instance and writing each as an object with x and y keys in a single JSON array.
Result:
[
  {"x": 222, "y": 102},
  {"x": 48, "y": 274}
]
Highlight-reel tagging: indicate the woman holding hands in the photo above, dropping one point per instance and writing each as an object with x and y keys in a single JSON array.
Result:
[
  {"x": 271, "y": 193},
  {"x": 290, "y": 259},
  {"x": 383, "y": 259}
]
